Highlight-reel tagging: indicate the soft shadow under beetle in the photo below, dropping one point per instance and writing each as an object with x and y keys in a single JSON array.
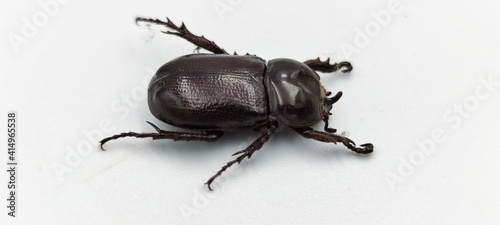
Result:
[{"x": 217, "y": 93}]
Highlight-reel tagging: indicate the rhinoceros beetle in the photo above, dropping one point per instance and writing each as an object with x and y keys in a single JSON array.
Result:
[{"x": 210, "y": 94}]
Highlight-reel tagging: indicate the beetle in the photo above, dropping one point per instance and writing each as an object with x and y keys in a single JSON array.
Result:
[{"x": 210, "y": 94}]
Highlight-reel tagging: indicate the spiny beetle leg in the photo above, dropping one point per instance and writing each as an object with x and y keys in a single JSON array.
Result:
[
  {"x": 248, "y": 152},
  {"x": 209, "y": 136},
  {"x": 183, "y": 32},
  {"x": 333, "y": 138},
  {"x": 326, "y": 67}
]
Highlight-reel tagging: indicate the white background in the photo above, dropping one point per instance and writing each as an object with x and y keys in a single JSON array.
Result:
[{"x": 70, "y": 77}]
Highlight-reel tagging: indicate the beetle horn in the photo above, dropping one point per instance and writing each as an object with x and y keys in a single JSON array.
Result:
[{"x": 332, "y": 100}]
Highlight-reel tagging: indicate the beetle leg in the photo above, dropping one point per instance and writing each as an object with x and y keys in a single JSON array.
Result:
[
  {"x": 248, "y": 152},
  {"x": 163, "y": 134},
  {"x": 330, "y": 137},
  {"x": 326, "y": 67},
  {"x": 183, "y": 32}
]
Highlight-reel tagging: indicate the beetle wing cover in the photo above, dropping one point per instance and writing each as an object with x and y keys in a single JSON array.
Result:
[{"x": 206, "y": 91}]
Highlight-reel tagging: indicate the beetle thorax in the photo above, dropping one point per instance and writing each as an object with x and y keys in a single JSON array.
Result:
[{"x": 296, "y": 97}]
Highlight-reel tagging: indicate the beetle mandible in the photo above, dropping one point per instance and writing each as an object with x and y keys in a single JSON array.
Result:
[{"x": 215, "y": 93}]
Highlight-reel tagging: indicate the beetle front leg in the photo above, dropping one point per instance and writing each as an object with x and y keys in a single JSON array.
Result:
[
  {"x": 326, "y": 67},
  {"x": 333, "y": 138},
  {"x": 256, "y": 145},
  {"x": 183, "y": 32},
  {"x": 163, "y": 134}
]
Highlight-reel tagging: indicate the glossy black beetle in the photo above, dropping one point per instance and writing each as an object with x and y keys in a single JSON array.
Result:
[{"x": 214, "y": 93}]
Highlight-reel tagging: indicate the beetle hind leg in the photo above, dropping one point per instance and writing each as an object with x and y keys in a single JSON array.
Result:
[
  {"x": 183, "y": 32},
  {"x": 248, "y": 152},
  {"x": 209, "y": 136},
  {"x": 333, "y": 138},
  {"x": 326, "y": 67}
]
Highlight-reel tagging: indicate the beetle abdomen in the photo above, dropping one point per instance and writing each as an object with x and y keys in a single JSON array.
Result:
[{"x": 210, "y": 92}]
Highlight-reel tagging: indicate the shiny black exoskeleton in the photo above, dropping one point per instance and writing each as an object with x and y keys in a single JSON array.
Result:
[{"x": 217, "y": 93}]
